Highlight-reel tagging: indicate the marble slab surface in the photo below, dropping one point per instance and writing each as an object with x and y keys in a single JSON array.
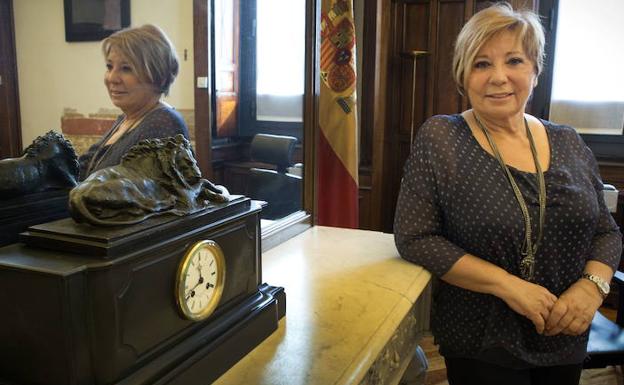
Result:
[{"x": 346, "y": 293}]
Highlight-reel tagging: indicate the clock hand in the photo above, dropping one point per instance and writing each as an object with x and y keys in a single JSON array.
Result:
[
  {"x": 192, "y": 292},
  {"x": 199, "y": 268},
  {"x": 201, "y": 280}
]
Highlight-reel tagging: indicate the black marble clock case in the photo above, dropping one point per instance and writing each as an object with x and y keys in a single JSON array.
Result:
[{"x": 92, "y": 305}]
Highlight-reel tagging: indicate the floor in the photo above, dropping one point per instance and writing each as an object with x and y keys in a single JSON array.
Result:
[{"x": 436, "y": 374}]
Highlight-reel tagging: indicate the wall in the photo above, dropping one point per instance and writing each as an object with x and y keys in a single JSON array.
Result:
[{"x": 55, "y": 75}]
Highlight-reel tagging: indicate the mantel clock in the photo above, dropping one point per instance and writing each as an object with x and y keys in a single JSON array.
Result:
[{"x": 172, "y": 300}]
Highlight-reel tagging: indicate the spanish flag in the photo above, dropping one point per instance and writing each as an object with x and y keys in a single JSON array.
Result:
[{"x": 337, "y": 151}]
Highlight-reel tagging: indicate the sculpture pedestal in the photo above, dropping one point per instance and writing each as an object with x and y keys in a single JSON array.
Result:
[
  {"x": 95, "y": 305},
  {"x": 18, "y": 213}
]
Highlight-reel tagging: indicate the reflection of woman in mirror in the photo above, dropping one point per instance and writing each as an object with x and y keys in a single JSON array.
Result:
[{"x": 141, "y": 65}]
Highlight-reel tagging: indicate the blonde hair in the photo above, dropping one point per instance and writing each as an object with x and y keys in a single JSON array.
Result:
[
  {"x": 150, "y": 52},
  {"x": 488, "y": 22}
]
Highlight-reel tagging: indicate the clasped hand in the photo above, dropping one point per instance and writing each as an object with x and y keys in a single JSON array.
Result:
[
  {"x": 569, "y": 314},
  {"x": 573, "y": 312}
]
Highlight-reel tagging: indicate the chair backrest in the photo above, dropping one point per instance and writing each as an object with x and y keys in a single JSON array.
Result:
[
  {"x": 610, "y": 197},
  {"x": 280, "y": 189},
  {"x": 273, "y": 149}
]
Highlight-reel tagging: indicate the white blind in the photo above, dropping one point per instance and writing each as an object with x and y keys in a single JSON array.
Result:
[
  {"x": 280, "y": 60},
  {"x": 588, "y": 77}
]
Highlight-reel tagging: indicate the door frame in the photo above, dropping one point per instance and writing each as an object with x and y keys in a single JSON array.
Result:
[{"x": 10, "y": 123}]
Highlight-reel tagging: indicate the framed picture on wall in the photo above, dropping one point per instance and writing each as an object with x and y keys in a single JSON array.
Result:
[{"x": 93, "y": 20}]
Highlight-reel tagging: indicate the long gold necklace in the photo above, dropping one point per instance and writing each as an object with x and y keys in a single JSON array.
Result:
[{"x": 529, "y": 249}]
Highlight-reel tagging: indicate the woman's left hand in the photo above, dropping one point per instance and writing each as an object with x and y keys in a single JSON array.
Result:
[{"x": 574, "y": 310}]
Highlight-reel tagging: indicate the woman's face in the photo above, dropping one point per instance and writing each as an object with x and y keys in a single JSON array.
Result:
[
  {"x": 501, "y": 78},
  {"x": 124, "y": 87}
]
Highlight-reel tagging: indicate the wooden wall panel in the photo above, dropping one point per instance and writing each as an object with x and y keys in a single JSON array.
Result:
[
  {"x": 375, "y": 64},
  {"x": 446, "y": 99},
  {"x": 415, "y": 37},
  {"x": 612, "y": 174},
  {"x": 407, "y": 104}
]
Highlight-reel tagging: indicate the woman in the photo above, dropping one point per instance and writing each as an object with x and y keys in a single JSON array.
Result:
[
  {"x": 507, "y": 210},
  {"x": 141, "y": 65}
]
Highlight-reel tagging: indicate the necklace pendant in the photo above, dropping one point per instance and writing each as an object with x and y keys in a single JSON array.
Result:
[
  {"x": 529, "y": 249},
  {"x": 527, "y": 267}
]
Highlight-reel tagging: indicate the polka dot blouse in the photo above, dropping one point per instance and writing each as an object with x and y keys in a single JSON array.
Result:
[
  {"x": 455, "y": 199},
  {"x": 160, "y": 123}
]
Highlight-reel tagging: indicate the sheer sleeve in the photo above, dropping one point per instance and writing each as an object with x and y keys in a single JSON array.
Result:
[
  {"x": 418, "y": 224},
  {"x": 606, "y": 244}
]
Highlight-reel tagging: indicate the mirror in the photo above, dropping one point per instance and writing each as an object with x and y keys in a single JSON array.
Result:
[
  {"x": 256, "y": 44},
  {"x": 61, "y": 84}
]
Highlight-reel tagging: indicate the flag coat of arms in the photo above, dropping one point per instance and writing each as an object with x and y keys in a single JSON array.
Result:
[{"x": 337, "y": 152}]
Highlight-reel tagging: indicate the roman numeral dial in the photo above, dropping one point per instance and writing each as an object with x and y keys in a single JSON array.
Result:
[{"x": 200, "y": 280}]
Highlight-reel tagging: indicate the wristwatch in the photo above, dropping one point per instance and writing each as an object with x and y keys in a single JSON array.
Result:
[{"x": 602, "y": 285}]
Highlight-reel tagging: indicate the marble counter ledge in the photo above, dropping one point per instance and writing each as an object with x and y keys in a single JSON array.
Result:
[{"x": 348, "y": 294}]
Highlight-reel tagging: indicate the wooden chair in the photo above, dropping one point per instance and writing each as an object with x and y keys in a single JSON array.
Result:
[{"x": 606, "y": 338}]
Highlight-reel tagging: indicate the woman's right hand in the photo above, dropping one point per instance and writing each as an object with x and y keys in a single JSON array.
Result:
[
  {"x": 533, "y": 301},
  {"x": 526, "y": 298}
]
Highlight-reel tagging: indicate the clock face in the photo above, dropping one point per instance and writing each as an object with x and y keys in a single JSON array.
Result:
[{"x": 200, "y": 279}]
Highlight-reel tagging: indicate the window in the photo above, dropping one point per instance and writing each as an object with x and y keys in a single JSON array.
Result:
[
  {"x": 226, "y": 67},
  {"x": 272, "y": 64},
  {"x": 279, "y": 85},
  {"x": 583, "y": 75},
  {"x": 593, "y": 103},
  {"x": 259, "y": 56}
]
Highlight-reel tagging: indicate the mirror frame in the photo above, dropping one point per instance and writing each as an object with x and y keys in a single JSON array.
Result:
[{"x": 297, "y": 222}]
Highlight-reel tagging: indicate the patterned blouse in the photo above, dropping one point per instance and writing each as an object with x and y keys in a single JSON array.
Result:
[
  {"x": 455, "y": 199},
  {"x": 159, "y": 123}
]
